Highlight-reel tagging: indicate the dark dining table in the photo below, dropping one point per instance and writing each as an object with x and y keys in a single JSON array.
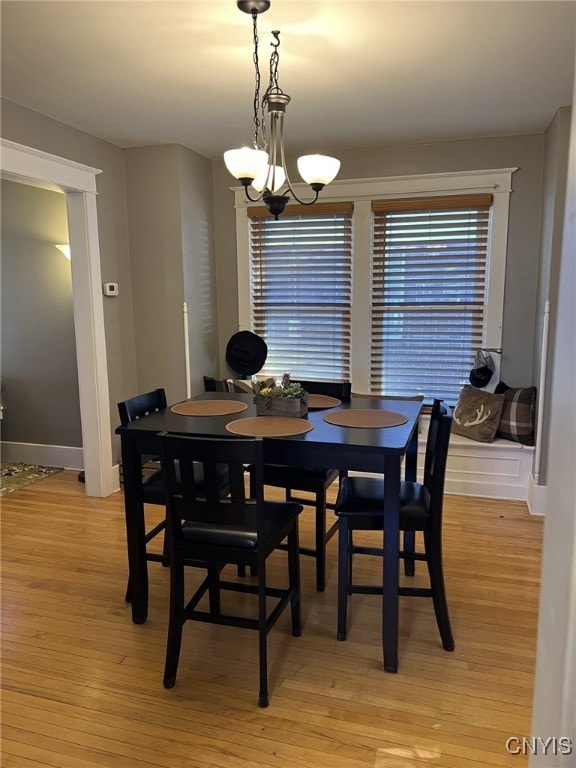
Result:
[{"x": 376, "y": 450}]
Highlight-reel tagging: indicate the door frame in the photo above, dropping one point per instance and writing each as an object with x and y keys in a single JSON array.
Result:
[{"x": 78, "y": 182}]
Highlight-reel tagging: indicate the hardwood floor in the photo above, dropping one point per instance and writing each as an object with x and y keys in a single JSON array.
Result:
[{"x": 82, "y": 685}]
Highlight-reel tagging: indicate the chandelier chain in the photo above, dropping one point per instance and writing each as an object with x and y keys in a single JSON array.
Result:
[
  {"x": 273, "y": 86},
  {"x": 259, "y": 123}
]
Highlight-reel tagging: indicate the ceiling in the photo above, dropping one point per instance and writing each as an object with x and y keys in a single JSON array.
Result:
[{"x": 362, "y": 74}]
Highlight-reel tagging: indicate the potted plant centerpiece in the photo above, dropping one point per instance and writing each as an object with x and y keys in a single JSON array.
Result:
[{"x": 288, "y": 398}]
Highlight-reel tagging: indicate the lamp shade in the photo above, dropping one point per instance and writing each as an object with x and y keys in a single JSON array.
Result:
[
  {"x": 65, "y": 248},
  {"x": 246, "y": 163},
  {"x": 274, "y": 176},
  {"x": 318, "y": 169}
]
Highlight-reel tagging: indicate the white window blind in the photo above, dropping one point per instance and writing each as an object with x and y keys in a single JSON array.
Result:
[
  {"x": 429, "y": 279},
  {"x": 301, "y": 290}
]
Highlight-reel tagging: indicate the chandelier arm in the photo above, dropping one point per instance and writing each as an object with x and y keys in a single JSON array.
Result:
[
  {"x": 246, "y": 184},
  {"x": 288, "y": 182}
]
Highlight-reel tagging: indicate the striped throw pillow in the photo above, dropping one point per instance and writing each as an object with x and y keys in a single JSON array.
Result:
[{"x": 518, "y": 414}]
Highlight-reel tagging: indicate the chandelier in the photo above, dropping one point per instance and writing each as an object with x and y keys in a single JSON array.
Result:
[{"x": 263, "y": 167}]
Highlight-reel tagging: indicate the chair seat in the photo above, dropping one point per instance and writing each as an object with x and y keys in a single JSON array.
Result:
[
  {"x": 153, "y": 491},
  {"x": 278, "y": 515},
  {"x": 362, "y": 497}
]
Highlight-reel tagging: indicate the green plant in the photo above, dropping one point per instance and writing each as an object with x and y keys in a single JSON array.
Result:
[{"x": 286, "y": 388}]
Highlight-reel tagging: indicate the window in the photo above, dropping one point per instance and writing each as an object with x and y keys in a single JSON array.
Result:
[
  {"x": 428, "y": 293},
  {"x": 301, "y": 278},
  {"x": 390, "y": 283}
]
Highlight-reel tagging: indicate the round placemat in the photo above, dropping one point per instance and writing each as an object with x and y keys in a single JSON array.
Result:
[
  {"x": 269, "y": 426},
  {"x": 209, "y": 407},
  {"x": 366, "y": 418},
  {"x": 318, "y": 402}
]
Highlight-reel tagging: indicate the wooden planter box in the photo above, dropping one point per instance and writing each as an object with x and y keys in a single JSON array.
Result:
[{"x": 281, "y": 406}]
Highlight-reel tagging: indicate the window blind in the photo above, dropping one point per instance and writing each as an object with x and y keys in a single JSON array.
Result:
[
  {"x": 429, "y": 279},
  {"x": 301, "y": 286}
]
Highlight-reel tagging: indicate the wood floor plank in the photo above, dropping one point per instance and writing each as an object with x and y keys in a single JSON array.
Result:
[{"x": 82, "y": 685}]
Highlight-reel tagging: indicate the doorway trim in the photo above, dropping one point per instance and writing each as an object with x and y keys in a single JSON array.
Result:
[{"x": 78, "y": 182}]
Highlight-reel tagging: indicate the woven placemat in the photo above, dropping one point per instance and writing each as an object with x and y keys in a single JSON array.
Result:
[
  {"x": 366, "y": 418},
  {"x": 209, "y": 407},
  {"x": 319, "y": 402},
  {"x": 269, "y": 426}
]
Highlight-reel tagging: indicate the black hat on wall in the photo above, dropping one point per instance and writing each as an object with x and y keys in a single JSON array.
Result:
[{"x": 246, "y": 353}]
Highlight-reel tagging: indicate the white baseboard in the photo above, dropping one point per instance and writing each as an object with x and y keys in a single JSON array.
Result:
[
  {"x": 536, "y": 497},
  {"x": 46, "y": 455},
  {"x": 116, "y": 477}
]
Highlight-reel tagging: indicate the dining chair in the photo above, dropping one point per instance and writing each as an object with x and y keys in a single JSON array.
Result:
[
  {"x": 360, "y": 507},
  {"x": 202, "y": 526},
  {"x": 409, "y": 536},
  {"x": 153, "y": 488},
  {"x": 315, "y": 481},
  {"x": 152, "y": 481},
  {"x": 215, "y": 385}
]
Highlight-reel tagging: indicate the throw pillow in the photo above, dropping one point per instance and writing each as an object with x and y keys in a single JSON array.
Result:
[
  {"x": 518, "y": 414},
  {"x": 477, "y": 414}
]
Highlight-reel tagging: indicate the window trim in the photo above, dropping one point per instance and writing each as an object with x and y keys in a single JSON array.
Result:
[{"x": 362, "y": 192}]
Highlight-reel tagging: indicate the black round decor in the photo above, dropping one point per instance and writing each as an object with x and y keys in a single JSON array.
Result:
[{"x": 246, "y": 353}]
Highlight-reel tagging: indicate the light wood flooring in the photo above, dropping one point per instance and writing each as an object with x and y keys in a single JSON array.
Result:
[{"x": 82, "y": 685}]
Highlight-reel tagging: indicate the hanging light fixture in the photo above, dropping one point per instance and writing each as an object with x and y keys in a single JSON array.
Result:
[{"x": 264, "y": 166}]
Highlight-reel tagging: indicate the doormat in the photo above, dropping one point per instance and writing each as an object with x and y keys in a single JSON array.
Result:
[{"x": 15, "y": 475}]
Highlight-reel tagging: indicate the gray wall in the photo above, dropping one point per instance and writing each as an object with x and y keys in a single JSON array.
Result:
[
  {"x": 554, "y": 700},
  {"x": 160, "y": 254},
  {"x": 39, "y": 369},
  {"x": 197, "y": 216},
  {"x": 172, "y": 261},
  {"x": 524, "y": 152},
  {"x": 35, "y": 130},
  {"x": 553, "y": 204},
  {"x": 167, "y": 244}
]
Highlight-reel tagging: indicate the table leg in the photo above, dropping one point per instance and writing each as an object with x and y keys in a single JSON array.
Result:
[
  {"x": 137, "y": 593},
  {"x": 410, "y": 474},
  {"x": 390, "y": 562}
]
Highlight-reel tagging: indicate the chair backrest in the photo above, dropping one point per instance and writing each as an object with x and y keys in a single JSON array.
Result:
[
  {"x": 437, "y": 444},
  {"x": 189, "y": 500},
  {"x": 242, "y": 386},
  {"x": 388, "y": 397},
  {"x": 142, "y": 405},
  {"x": 215, "y": 385},
  {"x": 340, "y": 389}
]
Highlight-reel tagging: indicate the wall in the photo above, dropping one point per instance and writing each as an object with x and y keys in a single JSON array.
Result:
[
  {"x": 197, "y": 217},
  {"x": 39, "y": 369},
  {"x": 171, "y": 254},
  {"x": 160, "y": 255},
  {"x": 35, "y": 130},
  {"x": 524, "y": 152},
  {"x": 554, "y": 196},
  {"x": 156, "y": 267},
  {"x": 554, "y": 700}
]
